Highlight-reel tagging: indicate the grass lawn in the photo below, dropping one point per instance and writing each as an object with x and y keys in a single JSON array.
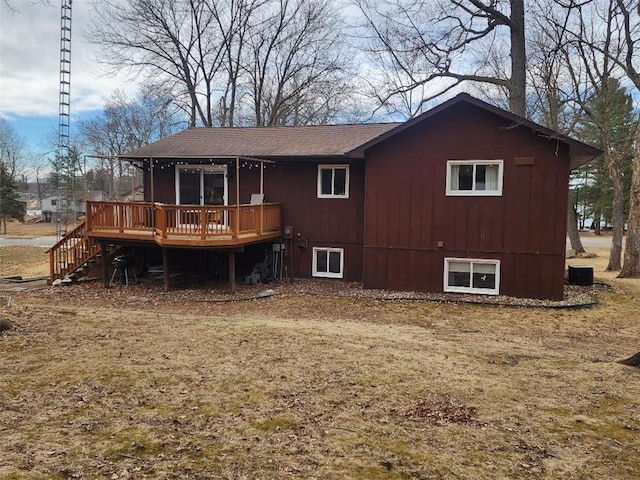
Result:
[{"x": 133, "y": 383}]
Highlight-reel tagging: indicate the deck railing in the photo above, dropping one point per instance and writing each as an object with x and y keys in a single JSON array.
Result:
[{"x": 215, "y": 223}]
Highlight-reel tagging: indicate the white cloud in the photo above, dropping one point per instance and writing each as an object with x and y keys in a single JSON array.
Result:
[{"x": 30, "y": 61}]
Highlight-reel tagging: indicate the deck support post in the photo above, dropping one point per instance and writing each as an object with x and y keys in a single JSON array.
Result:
[
  {"x": 104, "y": 255},
  {"x": 237, "y": 225},
  {"x": 151, "y": 174},
  {"x": 166, "y": 274},
  {"x": 262, "y": 194},
  {"x": 232, "y": 270}
]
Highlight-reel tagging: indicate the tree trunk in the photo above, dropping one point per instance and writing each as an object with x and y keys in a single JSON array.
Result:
[
  {"x": 631, "y": 267},
  {"x": 632, "y": 361},
  {"x": 517, "y": 90},
  {"x": 572, "y": 228},
  {"x": 617, "y": 217}
]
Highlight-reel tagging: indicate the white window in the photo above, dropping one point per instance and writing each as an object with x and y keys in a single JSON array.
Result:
[
  {"x": 328, "y": 262},
  {"x": 464, "y": 275},
  {"x": 474, "y": 177},
  {"x": 333, "y": 181}
]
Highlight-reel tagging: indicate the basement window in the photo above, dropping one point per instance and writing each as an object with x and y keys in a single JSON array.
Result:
[
  {"x": 464, "y": 275},
  {"x": 474, "y": 178},
  {"x": 328, "y": 262},
  {"x": 333, "y": 181}
]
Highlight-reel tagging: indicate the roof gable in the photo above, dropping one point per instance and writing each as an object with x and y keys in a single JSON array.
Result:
[{"x": 579, "y": 152}]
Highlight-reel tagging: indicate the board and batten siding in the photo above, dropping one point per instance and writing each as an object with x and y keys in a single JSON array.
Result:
[
  {"x": 411, "y": 225},
  {"x": 318, "y": 222}
]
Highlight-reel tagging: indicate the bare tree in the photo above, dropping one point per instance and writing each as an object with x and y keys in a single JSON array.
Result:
[
  {"x": 295, "y": 54},
  {"x": 126, "y": 124},
  {"x": 606, "y": 36},
  {"x": 629, "y": 11},
  {"x": 550, "y": 103},
  {"x": 13, "y": 9},
  {"x": 12, "y": 148},
  {"x": 230, "y": 61},
  {"x": 587, "y": 55},
  {"x": 452, "y": 40},
  {"x": 172, "y": 39}
]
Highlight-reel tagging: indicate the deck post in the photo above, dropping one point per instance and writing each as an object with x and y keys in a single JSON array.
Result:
[
  {"x": 104, "y": 255},
  {"x": 153, "y": 193},
  {"x": 232, "y": 270},
  {"x": 166, "y": 274},
  {"x": 237, "y": 226},
  {"x": 262, "y": 193}
]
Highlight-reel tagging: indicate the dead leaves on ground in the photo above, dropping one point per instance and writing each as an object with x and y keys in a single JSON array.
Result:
[{"x": 440, "y": 410}]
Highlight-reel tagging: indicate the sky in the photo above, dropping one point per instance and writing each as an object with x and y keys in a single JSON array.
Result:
[{"x": 30, "y": 66}]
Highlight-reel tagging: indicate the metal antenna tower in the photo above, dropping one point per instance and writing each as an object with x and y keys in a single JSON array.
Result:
[{"x": 64, "y": 115}]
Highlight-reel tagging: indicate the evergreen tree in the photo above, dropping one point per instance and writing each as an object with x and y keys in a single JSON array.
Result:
[
  {"x": 598, "y": 189},
  {"x": 66, "y": 178},
  {"x": 609, "y": 124},
  {"x": 11, "y": 207}
]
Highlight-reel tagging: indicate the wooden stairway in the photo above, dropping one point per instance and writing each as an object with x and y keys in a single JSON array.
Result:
[{"x": 74, "y": 255}]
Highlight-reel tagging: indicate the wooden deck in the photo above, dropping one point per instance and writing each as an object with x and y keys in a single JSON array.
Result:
[{"x": 184, "y": 225}]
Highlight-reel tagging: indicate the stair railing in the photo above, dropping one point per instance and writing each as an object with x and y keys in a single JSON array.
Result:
[{"x": 72, "y": 252}]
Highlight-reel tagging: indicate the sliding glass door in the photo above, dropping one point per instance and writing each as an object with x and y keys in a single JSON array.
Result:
[{"x": 201, "y": 185}]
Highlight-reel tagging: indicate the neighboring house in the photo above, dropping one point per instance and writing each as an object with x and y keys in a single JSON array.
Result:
[
  {"x": 52, "y": 205},
  {"x": 465, "y": 198}
]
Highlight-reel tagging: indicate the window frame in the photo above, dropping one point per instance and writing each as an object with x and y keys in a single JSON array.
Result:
[
  {"x": 202, "y": 171},
  {"x": 471, "y": 289},
  {"x": 327, "y": 274},
  {"x": 474, "y": 192},
  {"x": 332, "y": 167}
]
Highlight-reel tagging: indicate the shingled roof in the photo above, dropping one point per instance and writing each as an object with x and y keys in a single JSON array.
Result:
[
  {"x": 263, "y": 142},
  {"x": 325, "y": 140}
]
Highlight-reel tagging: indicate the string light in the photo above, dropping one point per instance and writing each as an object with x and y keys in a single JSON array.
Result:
[{"x": 145, "y": 165}]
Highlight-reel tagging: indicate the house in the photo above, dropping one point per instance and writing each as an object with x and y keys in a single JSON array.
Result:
[
  {"x": 52, "y": 204},
  {"x": 465, "y": 198}
]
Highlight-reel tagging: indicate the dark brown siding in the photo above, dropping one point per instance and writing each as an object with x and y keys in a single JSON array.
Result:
[
  {"x": 317, "y": 222},
  {"x": 164, "y": 183},
  {"x": 407, "y": 213}
]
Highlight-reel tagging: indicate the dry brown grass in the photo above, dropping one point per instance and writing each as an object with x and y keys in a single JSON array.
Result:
[
  {"x": 30, "y": 228},
  {"x": 118, "y": 384},
  {"x": 24, "y": 261}
]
